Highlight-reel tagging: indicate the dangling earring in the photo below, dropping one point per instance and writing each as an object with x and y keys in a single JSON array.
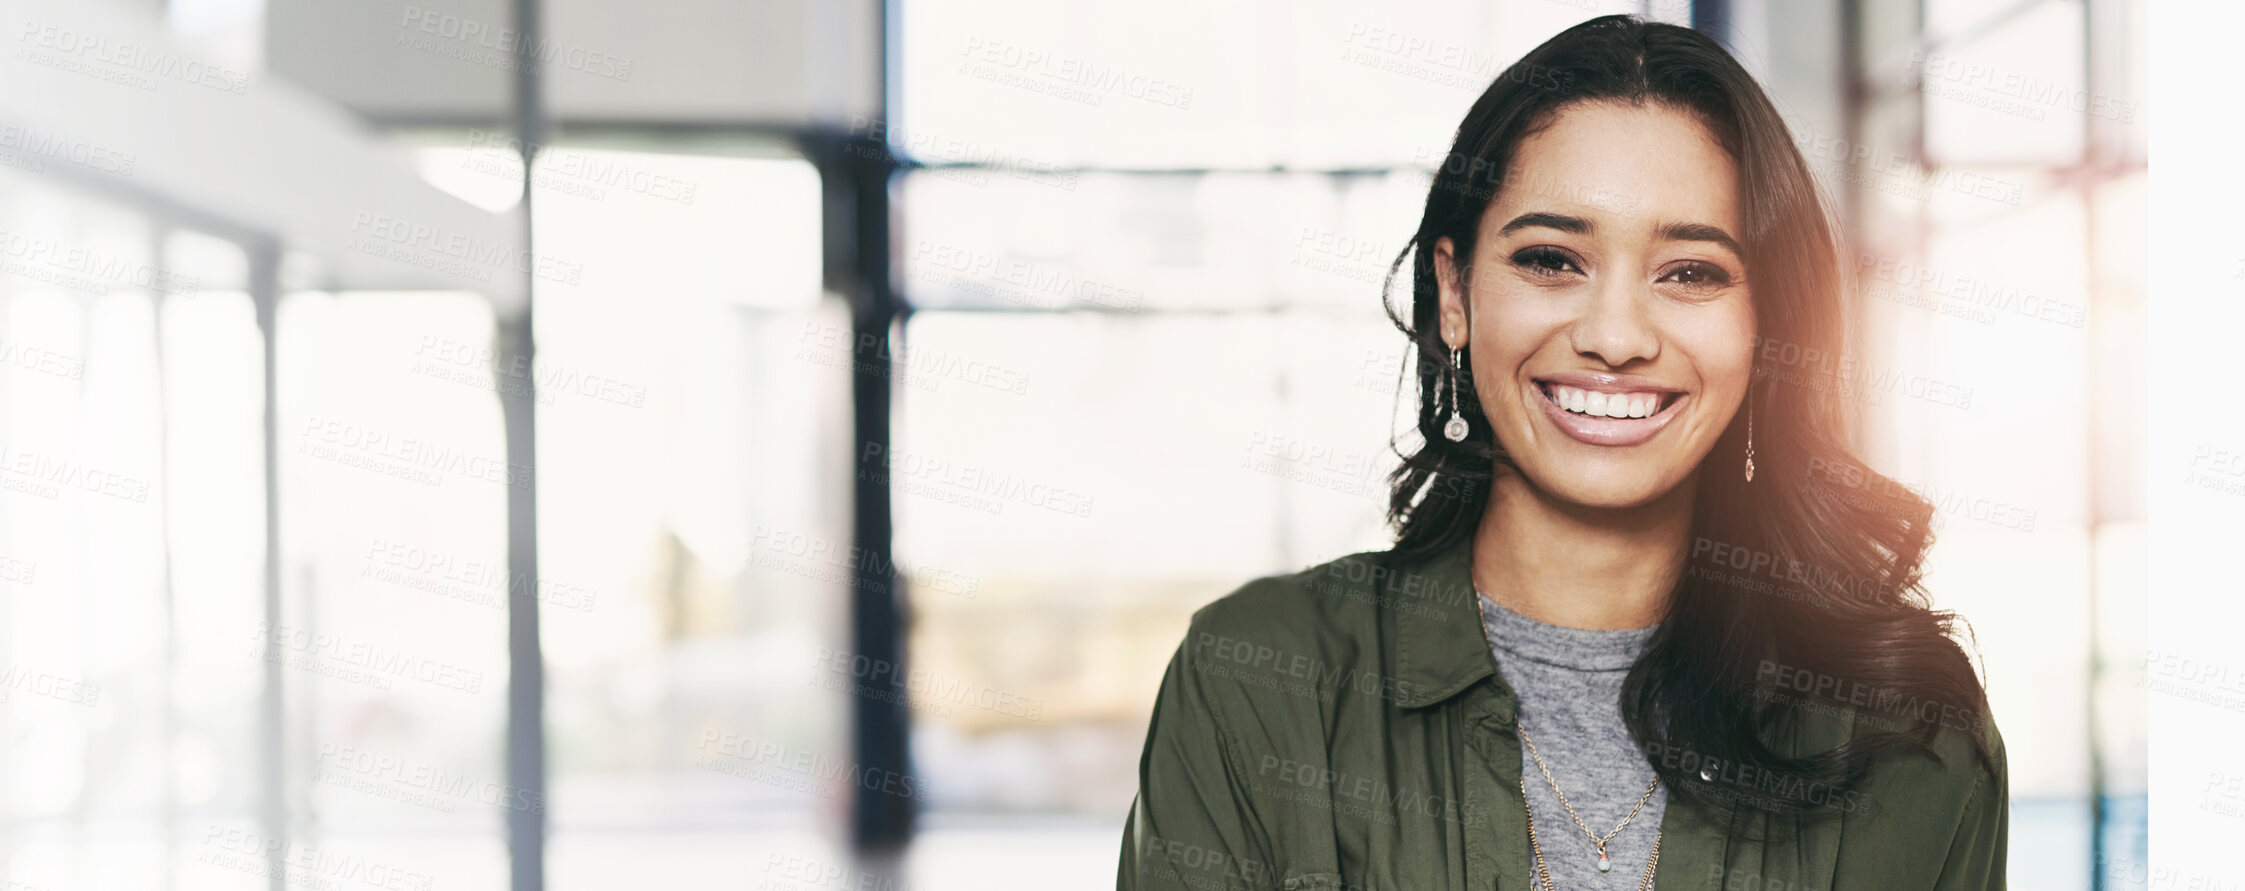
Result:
[
  {"x": 1456, "y": 429},
  {"x": 1749, "y": 434}
]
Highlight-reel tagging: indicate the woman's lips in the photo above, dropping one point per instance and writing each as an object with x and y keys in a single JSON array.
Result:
[{"x": 1607, "y": 431}]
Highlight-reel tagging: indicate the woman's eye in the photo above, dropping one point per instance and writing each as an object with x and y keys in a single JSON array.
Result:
[
  {"x": 1543, "y": 261},
  {"x": 1701, "y": 274}
]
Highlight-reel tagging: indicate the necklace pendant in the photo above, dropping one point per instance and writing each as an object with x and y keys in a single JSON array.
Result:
[{"x": 1604, "y": 865}]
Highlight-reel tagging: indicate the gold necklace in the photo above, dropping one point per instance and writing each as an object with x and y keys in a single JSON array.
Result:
[{"x": 1604, "y": 863}]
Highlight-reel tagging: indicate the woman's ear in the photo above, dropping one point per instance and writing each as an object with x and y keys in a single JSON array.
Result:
[{"x": 1450, "y": 284}]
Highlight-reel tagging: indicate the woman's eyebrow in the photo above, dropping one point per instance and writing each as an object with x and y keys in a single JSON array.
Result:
[
  {"x": 1701, "y": 232},
  {"x": 1581, "y": 226},
  {"x": 1561, "y": 222}
]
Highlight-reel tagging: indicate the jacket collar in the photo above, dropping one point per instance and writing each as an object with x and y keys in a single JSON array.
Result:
[{"x": 1441, "y": 648}]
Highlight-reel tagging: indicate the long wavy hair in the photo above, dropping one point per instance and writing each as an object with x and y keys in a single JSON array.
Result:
[{"x": 1810, "y": 570}]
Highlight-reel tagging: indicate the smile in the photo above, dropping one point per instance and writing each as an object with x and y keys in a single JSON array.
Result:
[{"x": 1605, "y": 410}]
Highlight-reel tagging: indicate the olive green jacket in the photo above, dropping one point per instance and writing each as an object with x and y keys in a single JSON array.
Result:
[{"x": 1346, "y": 727}]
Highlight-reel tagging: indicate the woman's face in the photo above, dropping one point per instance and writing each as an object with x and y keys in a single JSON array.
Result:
[{"x": 1607, "y": 305}]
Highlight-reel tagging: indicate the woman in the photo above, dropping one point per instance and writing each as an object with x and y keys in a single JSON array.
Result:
[{"x": 1646, "y": 622}]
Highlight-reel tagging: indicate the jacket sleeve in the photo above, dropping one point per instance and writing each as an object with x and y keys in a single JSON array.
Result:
[
  {"x": 1192, "y": 824},
  {"x": 1978, "y": 852}
]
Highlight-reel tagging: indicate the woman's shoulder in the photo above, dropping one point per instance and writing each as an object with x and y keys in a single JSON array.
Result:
[
  {"x": 1958, "y": 763},
  {"x": 1961, "y": 734},
  {"x": 1295, "y": 639},
  {"x": 1334, "y": 603},
  {"x": 1950, "y": 804},
  {"x": 1961, "y": 778}
]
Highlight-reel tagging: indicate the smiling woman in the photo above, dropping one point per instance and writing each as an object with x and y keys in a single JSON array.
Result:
[
  {"x": 1603, "y": 313},
  {"x": 1555, "y": 676}
]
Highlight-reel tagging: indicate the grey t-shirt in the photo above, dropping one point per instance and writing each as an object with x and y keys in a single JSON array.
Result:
[{"x": 1569, "y": 685}]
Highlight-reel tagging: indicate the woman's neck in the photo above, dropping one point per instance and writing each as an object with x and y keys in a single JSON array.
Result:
[{"x": 1580, "y": 567}]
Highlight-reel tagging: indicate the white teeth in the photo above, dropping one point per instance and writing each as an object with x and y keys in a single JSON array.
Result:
[{"x": 1606, "y": 405}]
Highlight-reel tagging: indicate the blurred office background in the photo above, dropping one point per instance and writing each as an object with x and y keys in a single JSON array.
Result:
[{"x": 1066, "y": 314}]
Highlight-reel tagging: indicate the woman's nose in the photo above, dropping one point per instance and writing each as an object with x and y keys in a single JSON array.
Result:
[{"x": 1614, "y": 326}]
